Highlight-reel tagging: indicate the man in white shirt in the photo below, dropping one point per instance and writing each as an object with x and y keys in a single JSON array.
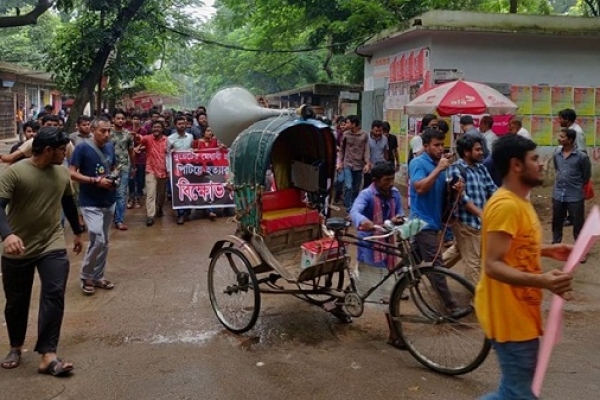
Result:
[
  {"x": 567, "y": 118},
  {"x": 485, "y": 126},
  {"x": 516, "y": 126},
  {"x": 179, "y": 141}
]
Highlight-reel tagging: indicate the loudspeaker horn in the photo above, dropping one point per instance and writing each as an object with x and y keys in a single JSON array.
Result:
[{"x": 234, "y": 109}]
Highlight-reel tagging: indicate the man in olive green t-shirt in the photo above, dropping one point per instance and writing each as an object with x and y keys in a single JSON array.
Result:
[{"x": 32, "y": 194}]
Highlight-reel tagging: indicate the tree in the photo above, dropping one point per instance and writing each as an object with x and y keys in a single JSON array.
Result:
[{"x": 31, "y": 17}]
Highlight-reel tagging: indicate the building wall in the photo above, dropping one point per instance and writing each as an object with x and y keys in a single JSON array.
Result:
[
  {"x": 512, "y": 59},
  {"x": 518, "y": 59}
]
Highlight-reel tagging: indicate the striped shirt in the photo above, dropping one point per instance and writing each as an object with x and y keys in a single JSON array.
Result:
[{"x": 479, "y": 187}]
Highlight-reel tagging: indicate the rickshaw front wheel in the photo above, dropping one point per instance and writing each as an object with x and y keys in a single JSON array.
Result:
[{"x": 233, "y": 290}]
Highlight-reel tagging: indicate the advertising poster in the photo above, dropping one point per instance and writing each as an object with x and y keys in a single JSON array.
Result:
[
  {"x": 198, "y": 179},
  {"x": 562, "y": 97},
  {"x": 521, "y": 96},
  {"x": 584, "y": 101},
  {"x": 541, "y": 130},
  {"x": 540, "y": 100},
  {"x": 597, "y": 132},
  {"x": 382, "y": 67},
  {"x": 588, "y": 124},
  {"x": 526, "y": 122},
  {"x": 596, "y": 102}
]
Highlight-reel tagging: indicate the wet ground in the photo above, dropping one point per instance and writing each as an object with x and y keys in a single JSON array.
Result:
[{"x": 155, "y": 337}]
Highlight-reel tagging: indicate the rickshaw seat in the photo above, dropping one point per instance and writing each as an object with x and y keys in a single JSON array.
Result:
[{"x": 284, "y": 209}]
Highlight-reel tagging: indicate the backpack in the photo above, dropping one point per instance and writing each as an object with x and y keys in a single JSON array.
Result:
[{"x": 450, "y": 196}]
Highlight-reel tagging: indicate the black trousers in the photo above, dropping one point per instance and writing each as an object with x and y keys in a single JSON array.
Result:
[
  {"x": 428, "y": 243},
  {"x": 559, "y": 212},
  {"x": 17, "y": 280}
]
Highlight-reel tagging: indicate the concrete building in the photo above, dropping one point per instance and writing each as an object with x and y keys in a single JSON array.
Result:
[
  {"x": 544, "y": 63},
  {"x": 23, "y": 87}
]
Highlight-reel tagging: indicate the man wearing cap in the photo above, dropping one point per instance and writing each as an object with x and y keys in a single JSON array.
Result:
[
  {"x": 467, "y": 126},
  {"x": 36, "y": 190}
]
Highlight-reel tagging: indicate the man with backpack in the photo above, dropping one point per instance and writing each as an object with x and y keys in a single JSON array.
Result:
[{"x": 479, "y": 187}]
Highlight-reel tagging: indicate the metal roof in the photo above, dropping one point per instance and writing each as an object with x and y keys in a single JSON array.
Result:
[{"x": 25, "y": 72}]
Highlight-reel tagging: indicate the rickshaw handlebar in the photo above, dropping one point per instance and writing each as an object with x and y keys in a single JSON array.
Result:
[{"x": 389, "y": 228}]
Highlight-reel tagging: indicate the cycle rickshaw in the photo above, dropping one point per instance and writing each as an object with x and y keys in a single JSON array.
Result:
[{"x": 285, "y": 243}]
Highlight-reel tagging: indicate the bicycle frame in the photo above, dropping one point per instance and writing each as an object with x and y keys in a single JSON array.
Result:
[{"x": 406, "y": 264}]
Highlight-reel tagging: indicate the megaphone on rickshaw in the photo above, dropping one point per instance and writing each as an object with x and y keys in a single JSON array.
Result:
[{"x": 234, "y": 109}]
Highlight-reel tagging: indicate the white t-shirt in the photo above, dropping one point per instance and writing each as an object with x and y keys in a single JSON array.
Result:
[
  {"x": 490, "y": 137},
  {"x": 580, "y": 139},
  {"x": 523, "y": 132}
]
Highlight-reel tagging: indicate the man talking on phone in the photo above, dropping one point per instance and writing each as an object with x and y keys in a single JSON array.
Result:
[{"x": 427, "y": 191}]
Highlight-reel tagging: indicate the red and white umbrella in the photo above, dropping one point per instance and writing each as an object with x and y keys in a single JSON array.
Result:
[{"x": 461, "y": 97}]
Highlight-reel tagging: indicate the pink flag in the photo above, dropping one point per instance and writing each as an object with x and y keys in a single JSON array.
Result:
[{"x": 588, "y": 236}]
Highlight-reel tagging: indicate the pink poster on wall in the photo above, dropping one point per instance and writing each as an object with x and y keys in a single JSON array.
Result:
[
  {"x": 411, "y": 66},
  {"x": 405, "y": 67},
  {"x": 393, "y": 77}
]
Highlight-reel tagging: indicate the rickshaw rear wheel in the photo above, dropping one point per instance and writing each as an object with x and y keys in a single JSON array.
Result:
[{"x": 233, "y": 290}]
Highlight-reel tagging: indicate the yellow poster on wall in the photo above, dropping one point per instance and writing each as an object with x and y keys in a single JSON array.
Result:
[
  {"x": 521, "y": 96},
  {"x": 584, "y": 100},
  {"x": 541, "y": 130},
  {"x": 561, "y": 98},
  {"x": 541, "y": 100},
  {"x": 588, "y": 124}
]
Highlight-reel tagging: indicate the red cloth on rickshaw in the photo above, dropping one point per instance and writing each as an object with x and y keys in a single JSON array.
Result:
[{"x": 284, "y": 209}]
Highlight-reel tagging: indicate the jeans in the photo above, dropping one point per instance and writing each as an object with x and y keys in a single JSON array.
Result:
[
  {"x": 98, "y": 223},
  {"x": 17, "y": 279},
  {"x": 559, "y": 212},
  {"x": 136, "y": 184},
  {"x": 517, "y": 364},
  {"x": 121, "y": 197},
  {"x": 352, "y": 181},
  {"x": 339, "y": 185}
]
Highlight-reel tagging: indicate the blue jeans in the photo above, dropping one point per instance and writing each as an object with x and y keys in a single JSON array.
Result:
[
  {"x": 352, "y": 181},
  {"x": 136, "y": 185},
  {"x": 121, "y": 197},
  {"x": 517, "y": 363}
]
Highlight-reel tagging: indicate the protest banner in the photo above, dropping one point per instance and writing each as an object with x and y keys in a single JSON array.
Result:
[{"x": 198, "y": 179}]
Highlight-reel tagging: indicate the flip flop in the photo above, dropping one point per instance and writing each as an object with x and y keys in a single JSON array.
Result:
[
  {"x": 104, "y": 284},
  {"x": 87, "y": 287},
  {"x": 56, "y": 368},
  {"x": 12, "y": 359}
]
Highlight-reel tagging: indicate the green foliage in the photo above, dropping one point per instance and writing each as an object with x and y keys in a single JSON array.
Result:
[{"x": 27, "y": 45}]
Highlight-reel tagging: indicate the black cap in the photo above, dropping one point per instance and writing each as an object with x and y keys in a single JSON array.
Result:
[
  {"x": 50, "y": 136},
  {"x": 466, "y": 120}
]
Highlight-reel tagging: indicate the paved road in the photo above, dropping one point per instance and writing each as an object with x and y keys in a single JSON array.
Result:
[{"x": 155, "y": 337}]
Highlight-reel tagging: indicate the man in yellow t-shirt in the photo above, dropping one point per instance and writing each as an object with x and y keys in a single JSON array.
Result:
[{"x": 509, "y": 293}]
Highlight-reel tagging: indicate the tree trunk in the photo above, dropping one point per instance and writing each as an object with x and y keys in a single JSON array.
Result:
[
  {"x": 514, "y": 5},
  {"x": 89, "y": 81},
  {"x": 27, "y": 19}
]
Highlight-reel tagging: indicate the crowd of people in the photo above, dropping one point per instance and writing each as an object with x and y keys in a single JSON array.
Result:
[
  {"x": 88, "y": 178},
  {"x": 482, "y": 196}
]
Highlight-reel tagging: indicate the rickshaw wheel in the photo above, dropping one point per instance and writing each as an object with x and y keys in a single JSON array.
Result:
[
  {"x": 334, "y": 281},
  {"x": 446, "y": 339},
  {"x": 233, "y": 290}
]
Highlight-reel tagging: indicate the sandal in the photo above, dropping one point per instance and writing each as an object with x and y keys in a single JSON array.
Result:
[
  {"x": 104, "y": 284},
  {"x": 137, "y": 204},
  {"x": 212, "y": 216},
  {"x": 12, "y": 359},
  {"x": 56, "y": 368},
  {"x": 87, "y": 287},
  {"x": 130, "y": 205}
]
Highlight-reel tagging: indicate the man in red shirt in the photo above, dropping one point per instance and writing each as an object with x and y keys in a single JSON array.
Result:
[{"x": 156, "y": 171}]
